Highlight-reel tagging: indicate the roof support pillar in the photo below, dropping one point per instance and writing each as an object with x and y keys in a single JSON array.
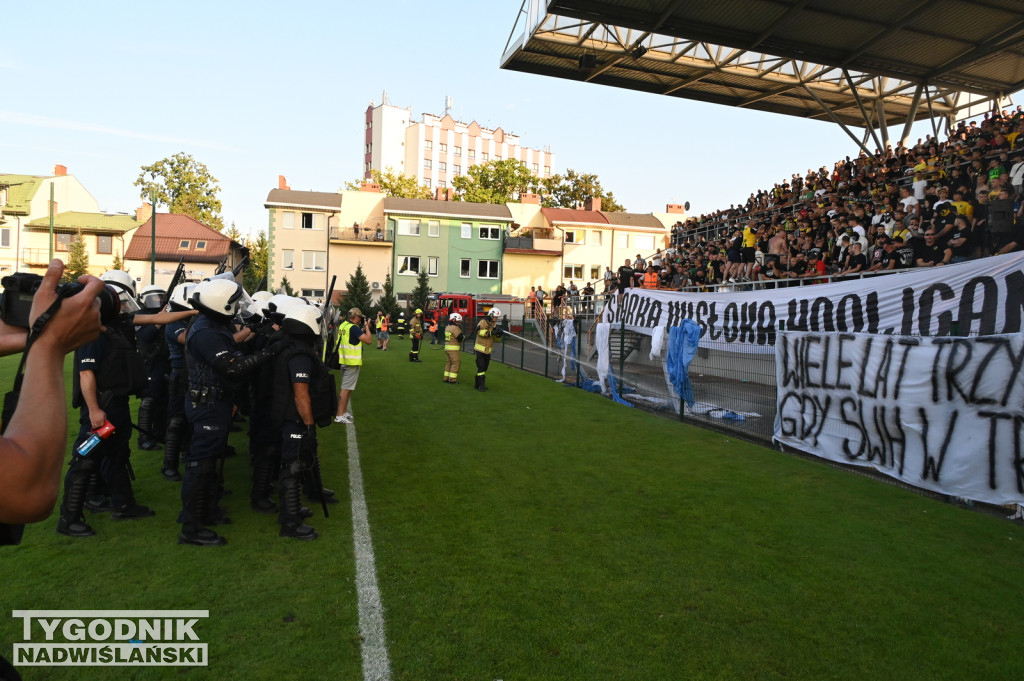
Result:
[
  {"x": 863, "y": 112},
  {"x": 931, "y": 114},
  {"x": 835, "y": 119},
  {"x": 912, "y": 113},
  {"x": 883, "y": 127}
]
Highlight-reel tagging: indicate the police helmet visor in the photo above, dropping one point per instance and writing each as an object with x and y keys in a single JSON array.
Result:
[
  {"x": 152, "y": 300},
  {"x": 129, "y": 305}
]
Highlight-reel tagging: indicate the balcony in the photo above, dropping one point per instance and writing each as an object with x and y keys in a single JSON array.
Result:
[
  {"x": 531, "y": 245},
  {"x": 40, "y": 257},
  {"x": 370, "y": 236}
]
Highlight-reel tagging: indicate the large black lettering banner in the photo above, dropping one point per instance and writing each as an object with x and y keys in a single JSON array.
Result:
[
  {"x": 945, "y": 414},
  {"x": 979, "y": 297}
]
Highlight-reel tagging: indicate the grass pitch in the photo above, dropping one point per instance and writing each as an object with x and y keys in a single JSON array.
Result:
[{"x": 541, "y": 532}]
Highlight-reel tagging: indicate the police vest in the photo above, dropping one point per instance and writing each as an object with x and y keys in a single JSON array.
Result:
[
  {"x": 175, "y": 350},
  {"x": 120, "y": 372},
  {"x": 323, "y": 397},
  {"x": 200, "y": 374},
  {"x": 348, "y": 354}
]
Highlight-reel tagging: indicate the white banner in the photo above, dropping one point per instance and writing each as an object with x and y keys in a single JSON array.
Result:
[
  {"x": 945, "y": 414},
  {"x": 980, "y": 297}
]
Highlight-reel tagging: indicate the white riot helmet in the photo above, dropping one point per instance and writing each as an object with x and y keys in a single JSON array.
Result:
[
  {"x": 495, "y": 312},
  {"x": 262, "y": 295},
  {"x": 278, "y": 306},
  {"x": 179, "y": 299},
  {"x": 218, "y": 297},
  {"x": 123, "y": 283},
  {"x": 302, "y": 320},
  {"x": 151, "y": 297},
  {"x": 455, "y": 317}
]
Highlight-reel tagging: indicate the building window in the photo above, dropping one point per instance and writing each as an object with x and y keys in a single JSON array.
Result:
[
  {"x": 572, "y": 271},
  {"x": 485, "y": 157},
  {"x": 62, "y": 242},
  {"x": 458, "y": 151},
  {"x": 428, "y": 164},
  {"x": 104, "y": 245},
  {"x": 369, "y": 124},
  {"x": 313, "y": 293},
  {"x": 464, "y": 268},
  {"x": 428, "y": 145},
  {"x": 595, "y": 272},
  {"x": 442, "y": 167},
  {"x": 312, "y": 221},
  {"x": 575, "y": 236},
  {"x": 596, "y": 237},
  {"x": 287, "y": 259},
  {"x": 409, "y": 227},
  {"x": 288, "y": 219},
  {"x": 426, "y": 182},
  {"x": 467, "y": 230},
  {"x": 432, "y": 263},
  {"x": 458, "y": 170},
  {"x": 547, "y": 170},
  {"x": 490, "y": 232},
  {"x": 434, "y": 228},
  {"x": 442, "y": 184},
  {"x": 534, "y": 167},
  {"x": 5, "y": 237},
  {"x": 444, "y": 148},
  {"x": 184, "y": 243},
  {"x": 409, "y": 264},
  {"x": 200, "y": 245},
  {"x": 643, "y": 242},
  {"x": 487, "y": 269},
  {"x": 472, "y": 153},
  {"x": 315, "y": 261},
  {"x": 367, "y": 148}
]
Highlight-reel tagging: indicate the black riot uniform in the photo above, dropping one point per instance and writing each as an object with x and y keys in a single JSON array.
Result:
[
  {"x": 264, "y": 438},
  {"x": 177, "y": 433},
  {"x": 214, "y": 364},
  {"x": 118, "y": 372},
  {"x": 153, "y": 406},
  {"x": 300, "y": 363}
]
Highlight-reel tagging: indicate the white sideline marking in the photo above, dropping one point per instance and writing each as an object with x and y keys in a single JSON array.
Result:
[{"x": 376, "y": 666}]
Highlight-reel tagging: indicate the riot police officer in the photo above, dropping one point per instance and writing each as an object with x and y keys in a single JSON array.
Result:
[
  {"x": 177, "y": 434},
  {"x": 153, "y": 348},
  {"x": 107, "y": 372},
  {"x": 453, "y": 337},
  {"x": 487, "y": 332},
  {"x": 303, "y": 398},
  {"x": 214, "y": 364}
]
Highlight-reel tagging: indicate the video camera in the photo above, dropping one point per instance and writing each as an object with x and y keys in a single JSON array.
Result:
[{"x": 19, "y": 288}]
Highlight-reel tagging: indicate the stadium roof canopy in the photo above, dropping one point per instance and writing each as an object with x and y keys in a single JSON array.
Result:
[{"x": 870, "y": 63}]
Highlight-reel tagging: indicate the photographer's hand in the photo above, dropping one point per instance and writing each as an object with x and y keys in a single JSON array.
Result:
[
  {"x": 32, "y": 449},
  {"x": 12, "y": 339}
]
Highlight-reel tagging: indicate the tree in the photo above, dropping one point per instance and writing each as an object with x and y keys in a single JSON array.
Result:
[
  {"x": 185, "y": 186},
  {"x": 573, "y": 189},
  {"x": 259, "y": 257},
  {"x": 286, "y": 287},
  {"x": 358, "y": 293},
  {"x": 421, "y": 294},
  {"x": 388, "y": 303},
  {"x": 494, "y": 182},
  {"x": 394, "y": 184},
  {"x": 118, "y": 263},
  {"x": 233, "y": 233},
  {"x": 78, "y": 260}
]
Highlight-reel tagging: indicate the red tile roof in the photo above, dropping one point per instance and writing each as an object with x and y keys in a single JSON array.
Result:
[{"x": 171, "y": 230}]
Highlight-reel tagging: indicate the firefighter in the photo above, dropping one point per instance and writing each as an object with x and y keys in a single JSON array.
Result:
[
  {"x": 453, "y": 337},
  {"x": 416, "y": 334},
  {"x": 487, "y": 332}
]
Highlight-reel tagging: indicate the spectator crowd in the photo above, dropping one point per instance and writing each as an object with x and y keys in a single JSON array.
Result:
[{"x": 927, "y": 205}]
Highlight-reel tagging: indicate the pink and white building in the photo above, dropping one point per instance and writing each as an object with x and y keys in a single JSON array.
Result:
[{"x": 437, "y": 149}]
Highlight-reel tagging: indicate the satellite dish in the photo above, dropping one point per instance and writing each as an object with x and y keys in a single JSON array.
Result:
[{"x": 686, "y": 205}]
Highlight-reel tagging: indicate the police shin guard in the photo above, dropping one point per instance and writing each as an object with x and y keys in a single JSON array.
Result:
[
  {"x": 263, "y": 473},
  {"x": 72, "y": 521},
  {"x": 146, "y": 408},
  {"x": 195, "y": 491},
  {"x": 172, "y": 448},
  {"x": 289, "y": 493}
]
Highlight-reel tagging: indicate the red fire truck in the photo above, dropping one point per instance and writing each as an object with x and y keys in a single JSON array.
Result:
[{"x": 472, "y": 306}]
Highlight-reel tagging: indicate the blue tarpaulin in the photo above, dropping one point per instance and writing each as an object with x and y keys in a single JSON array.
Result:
[{"x": 683, "y": 341}]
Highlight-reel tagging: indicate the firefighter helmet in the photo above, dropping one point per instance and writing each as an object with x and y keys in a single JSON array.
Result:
[
  {"x": 455, "y": 317},
  {"x": 495, "y": 312}
]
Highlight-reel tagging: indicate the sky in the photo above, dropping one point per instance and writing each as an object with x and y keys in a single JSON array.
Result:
[{"x": 256, "y": 89}]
